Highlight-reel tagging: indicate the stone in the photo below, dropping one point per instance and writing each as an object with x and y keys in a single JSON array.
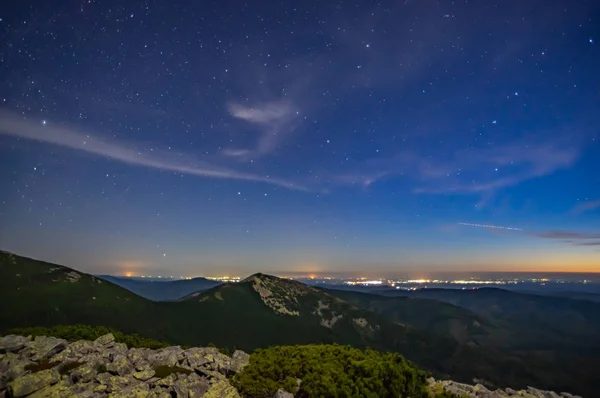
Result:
[
  {"x": 106, "y": 340},
  {"x": 168, "y": 381},
  {"x": 180, "y": 387},
  {"x": 13, "y": 343},
  {"x": 239, "y": 360},
  {"x": 164, "y": 357},
  {"x": 144, "y": 374},
  {"x": 120, "y": 365},
  {"x": 45, "y": 347},
  {"x": 283, "y": 394},
  {"x": 58, "y": 390},
  {"x": 195, "y": 357},
  {"x": 13, "y": 365},
  {"x": 198, "y": 388},
  {"x": 32, "y": 382},
  {"x": 135, "y": 391},
  {"x": 221, "y": 389},
  {"x": 84, "y": 373}
]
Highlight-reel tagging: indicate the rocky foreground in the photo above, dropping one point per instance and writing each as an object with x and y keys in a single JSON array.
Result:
[
  {"x": 52, "y": 367},
  {"x": 480, "y": 391}
]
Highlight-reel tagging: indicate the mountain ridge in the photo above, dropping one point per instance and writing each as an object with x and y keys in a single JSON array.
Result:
[{"x": 261, "y": 311}]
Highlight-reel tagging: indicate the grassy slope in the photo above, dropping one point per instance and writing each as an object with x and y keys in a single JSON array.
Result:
[{"x": 235, "y": 316}]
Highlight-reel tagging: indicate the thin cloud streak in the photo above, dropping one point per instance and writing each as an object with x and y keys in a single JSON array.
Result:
[
  {"x": 482, "y": 172},
  {"x": 566, "y": 235},
  {"x": 586, "y": 206},
  {"x": 571, "y": 237},
  {"x": 273, "y": 118},
  {"x": 13, "y": 125}
]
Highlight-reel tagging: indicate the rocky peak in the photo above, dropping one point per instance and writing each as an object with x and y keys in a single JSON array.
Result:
[{"x": 279, "y": 294}]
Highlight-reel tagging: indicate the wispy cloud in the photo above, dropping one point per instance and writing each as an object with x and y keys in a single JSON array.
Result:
[
  {"x": 75, "y": 139},
  {"x": 272, "y": 118},
  {"x": 572, "y": 237},
  {"x": 566, "y": 235},
  {"x": 586, "y": 206},
  {"x": 469, "y": 171}
]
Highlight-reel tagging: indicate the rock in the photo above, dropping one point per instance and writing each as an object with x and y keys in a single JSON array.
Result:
[
  {"x": 32, "y": 382},
  {"x": 45, "y": 347},
  {"x": 13, "y": 365},
  {"x": 136, "y": 391},
  {"x": 194, "y": 357},
  {"x": 120, "y": 365},
  {"x": 144, "y": 374},
  {"x": 107, "y": 340},
  {"x": 221, "y": 389},
  {"x": 180, "y": 387},
  {"x": 283, "y": 394},
  {"x": 165, "y": 357},
  {"x": 84, "y": 373},
  {"x": 197, "y": 386},
  {"x": 59, "y": 390},
  {"x": 13, "y": 343},
  {"x": 239, "y": 360},
  {"x": 167, "y": 381}
]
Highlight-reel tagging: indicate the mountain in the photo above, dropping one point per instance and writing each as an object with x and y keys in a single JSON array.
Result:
[
  {"x": 260, "y": 311},
  {"x": 439, "y": 317},
  {"x": 159, "y": 290},
  {"x": 531, "y": 321}
]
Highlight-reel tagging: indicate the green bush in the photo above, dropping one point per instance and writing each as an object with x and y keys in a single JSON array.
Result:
[
  {"x": 330, "y": 371},
  {"x": 86, "y": 332}
]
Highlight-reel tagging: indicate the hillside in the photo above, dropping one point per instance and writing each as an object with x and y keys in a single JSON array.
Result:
[
  {"x": 528, "y": 320},
  {"x": 259, "y": 312},
  {"x": 441, "y": 318},
  {"x": 162, "y": 291}
]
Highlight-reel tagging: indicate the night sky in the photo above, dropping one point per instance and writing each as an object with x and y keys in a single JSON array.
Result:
[{"x": 203, "y": 138}]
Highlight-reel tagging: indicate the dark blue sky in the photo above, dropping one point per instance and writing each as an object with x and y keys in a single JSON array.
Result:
[{"x": 189, "y": 138}]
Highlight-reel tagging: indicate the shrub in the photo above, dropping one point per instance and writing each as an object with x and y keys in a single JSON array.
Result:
[
  {"x": 330, "y": 371},
  {"x": 86, "y": 332}
]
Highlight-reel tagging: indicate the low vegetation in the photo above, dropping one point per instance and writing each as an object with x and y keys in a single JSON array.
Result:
[
  {"x": 86, "y": 332},
  {"x": 330, "y": 371}
]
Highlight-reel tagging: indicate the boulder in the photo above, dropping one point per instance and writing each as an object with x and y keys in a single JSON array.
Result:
[
  {"x": 58, "y": 390},
  {"x": 135, "y": 391},
  {"x": 45, "y": 347},
  {"x": 13, "y": 343},
  {"x": 13, "y": 365},
  {"x": 32, "y": 382},
  {"x": 194, "y": 357},
  {"x": 144, "y": 374},
  {"x": 120, "y": 365},
  {"x": 283, "y": 394},
  {"x": 239, "y": 360},
  {"x": 84, "y": 373},
  {"x": 165, "y": 357},
  {"x": 107, "y": 340},
  {"x": 180, "y": 387},
  {"x": 221, "y": 389},
  {"x": 197, "y": 386}
]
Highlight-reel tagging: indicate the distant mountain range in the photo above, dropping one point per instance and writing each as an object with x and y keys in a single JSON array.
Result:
[
  {"x": 162, "y": 290},
  {"x": 454, "y": 335}
]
